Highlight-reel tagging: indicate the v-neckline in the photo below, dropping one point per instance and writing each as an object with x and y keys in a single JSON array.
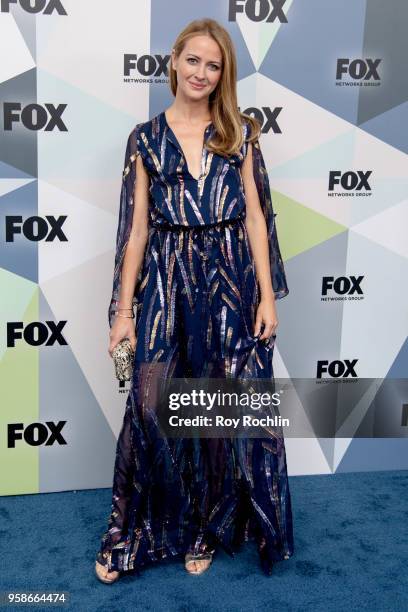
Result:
[{"x": 177, "y": 143}]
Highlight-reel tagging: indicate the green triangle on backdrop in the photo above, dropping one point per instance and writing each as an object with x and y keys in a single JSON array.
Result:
[
  {"x": 300, "y": 228},
  {"x": 19, "y": 384}
]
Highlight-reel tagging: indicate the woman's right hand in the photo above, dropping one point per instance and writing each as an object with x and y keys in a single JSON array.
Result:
[{"x": 122, "y": 327}]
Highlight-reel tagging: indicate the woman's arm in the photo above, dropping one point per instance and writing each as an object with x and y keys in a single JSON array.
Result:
[
  {"x": 135, "y": 249},
  {"x": 258, "y": 239}
]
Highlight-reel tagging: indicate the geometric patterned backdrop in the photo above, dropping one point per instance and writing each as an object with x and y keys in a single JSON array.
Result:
[{"x": 328, "y": 82}]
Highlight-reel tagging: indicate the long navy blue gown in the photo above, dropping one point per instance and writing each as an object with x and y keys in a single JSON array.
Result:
[{"x": 195, "y": 299}]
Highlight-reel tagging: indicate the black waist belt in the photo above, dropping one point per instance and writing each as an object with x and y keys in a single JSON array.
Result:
[{"x": 178, "y": 227}]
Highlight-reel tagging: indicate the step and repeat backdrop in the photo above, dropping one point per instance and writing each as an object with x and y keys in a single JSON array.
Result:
[{"x": 327, "y": 80}]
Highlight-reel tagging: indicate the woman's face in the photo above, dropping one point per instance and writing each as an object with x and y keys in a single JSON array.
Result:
[{"x": 199, "y": 67}]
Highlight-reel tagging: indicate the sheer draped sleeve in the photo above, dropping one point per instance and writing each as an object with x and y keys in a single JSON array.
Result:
[
  {"x": 125, "y": 218},
  {"x": 134, "y": 147},
  {"x": 260, "y": 173}
]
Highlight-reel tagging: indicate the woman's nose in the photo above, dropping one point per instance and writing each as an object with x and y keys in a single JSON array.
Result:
[{"x": 200, "y": 72}]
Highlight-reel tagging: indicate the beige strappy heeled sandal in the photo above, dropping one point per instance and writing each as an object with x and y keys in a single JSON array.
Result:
[
  {"x": 102, "y": 574},
  {"x": 203, "y": 560}
]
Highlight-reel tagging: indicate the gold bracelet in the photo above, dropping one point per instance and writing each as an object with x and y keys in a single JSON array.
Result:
[{"x": 132, "y": 316}]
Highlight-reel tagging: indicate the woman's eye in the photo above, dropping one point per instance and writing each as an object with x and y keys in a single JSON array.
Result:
[{"x": 212, "y": 66}]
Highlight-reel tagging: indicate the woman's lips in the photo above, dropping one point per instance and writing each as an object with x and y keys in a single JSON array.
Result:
[{"x": 196, "y": 86}]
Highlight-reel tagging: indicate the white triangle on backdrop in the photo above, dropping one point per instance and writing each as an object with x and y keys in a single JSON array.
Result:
[
  {"x": 313, "y": 142},
  {"x": 81, "y": 296},
  {"x": 88, "y": 43},
  {"x": 9, "y": 185},
  {"x": 14, "y": 48},
  {"x": 89, "y": 229},
  {"x": 259, "y": 35},
  {"x": 103, "y": 192},
  {"x": 304, "y": 455},
  {"x": 306, "y": 127},
  {"x": 389, "y": 228},
  {"x": 372, "y": 152},
  {"x": 374, "y": 328}
]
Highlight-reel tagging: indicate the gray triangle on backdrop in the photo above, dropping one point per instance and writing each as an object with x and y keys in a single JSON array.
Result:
[
  {"x": 18, "y": 146},
  {"x": 27, "y": 26},
  {"x": 19, "y": 255},
  {"x": 302, "y": 311},
  {"x": 375, "y": 454},
  {"x": 385, "y": 22},
  {"x": 86, "y": 461}
]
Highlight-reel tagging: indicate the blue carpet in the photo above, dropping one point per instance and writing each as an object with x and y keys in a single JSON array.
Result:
[{"x": 351, "y": 553}]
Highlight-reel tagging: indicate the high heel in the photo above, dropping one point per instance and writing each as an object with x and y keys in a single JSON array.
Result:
[
  {"x": 103, "y": 576},
  {"x": 190, "y": 558}
]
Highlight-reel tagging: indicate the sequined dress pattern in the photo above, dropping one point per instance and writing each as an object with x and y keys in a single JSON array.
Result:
[{"x": 195, "y": 300}]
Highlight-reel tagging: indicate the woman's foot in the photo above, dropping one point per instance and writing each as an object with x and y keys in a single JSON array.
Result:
[
  {"x": 199, "y": 563},
  {"x": 104, "y": 575}
]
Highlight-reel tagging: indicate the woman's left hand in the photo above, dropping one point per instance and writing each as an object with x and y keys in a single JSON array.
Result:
[{"x": 266, "y": 314}]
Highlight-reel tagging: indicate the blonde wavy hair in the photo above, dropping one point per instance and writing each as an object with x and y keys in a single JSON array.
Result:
[{"x": 227, "y": 119}]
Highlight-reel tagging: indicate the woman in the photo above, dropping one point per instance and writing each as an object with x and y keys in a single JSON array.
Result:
[{"x": 198, "y": 258}]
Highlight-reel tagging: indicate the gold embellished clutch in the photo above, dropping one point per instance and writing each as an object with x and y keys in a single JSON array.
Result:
[{"x": 123, "y": 357}]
